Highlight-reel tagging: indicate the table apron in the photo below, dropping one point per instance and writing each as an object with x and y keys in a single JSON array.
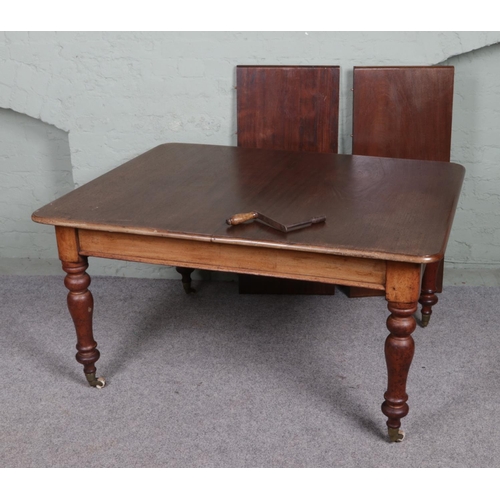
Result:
[{"x": 309, "y": 266}]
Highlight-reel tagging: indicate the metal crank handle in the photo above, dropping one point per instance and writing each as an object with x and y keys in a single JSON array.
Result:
[
  {"x": 321, "y": 218},
  {"x": 240, "y": 218}
]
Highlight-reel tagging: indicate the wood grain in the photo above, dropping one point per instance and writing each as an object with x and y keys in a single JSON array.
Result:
[
  {"x": 169, "y": 206},
  {"x": 403, "y": 282},
  {"x": 233, "y": 258},
  {"x": 81, "y": 308},
  {"x": 402, "y": 292},
  {"x": 67, "y": 244},
  {"x": 403, "y": 112},
  {"x": 293, "y": 108},
  {"x": 399, "y": 350},
  {"x": 376, "y": 208}
]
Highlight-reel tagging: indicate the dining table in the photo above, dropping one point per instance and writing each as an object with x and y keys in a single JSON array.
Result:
[{"x": 382, "y": 221}]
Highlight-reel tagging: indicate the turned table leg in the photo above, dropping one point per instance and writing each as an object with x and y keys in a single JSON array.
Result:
[
  {"x": 428, "y": 297},
  {"x": 399, "y": 348},
  {"x": 81, "y": 307},
  {"x": 402, "y": 292},
  {"x": 185, "y": 272}
]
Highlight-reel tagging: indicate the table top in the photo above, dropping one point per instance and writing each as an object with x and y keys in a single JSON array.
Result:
[{"x": 382, "y": 208}]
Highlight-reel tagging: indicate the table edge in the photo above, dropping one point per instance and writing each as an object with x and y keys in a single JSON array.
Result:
[{"x": 344, "y": 252}]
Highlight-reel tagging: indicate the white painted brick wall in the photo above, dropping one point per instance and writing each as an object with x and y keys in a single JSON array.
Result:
[
  {"x": 475, "y": 237},
  {"x": 119, "y": 94},
  {"x": 35, "y": 167}
]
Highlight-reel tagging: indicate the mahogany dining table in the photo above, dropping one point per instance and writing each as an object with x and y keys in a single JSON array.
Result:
[{"x": 386, "y": 219}]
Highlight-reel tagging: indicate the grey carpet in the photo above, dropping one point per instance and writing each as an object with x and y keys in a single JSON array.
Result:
[{"x": 218, "y": 379}]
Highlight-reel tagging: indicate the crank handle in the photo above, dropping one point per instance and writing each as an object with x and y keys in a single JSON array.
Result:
[
  {"x": 321, "y": 218},
  {"x": 240, "y": 218}
]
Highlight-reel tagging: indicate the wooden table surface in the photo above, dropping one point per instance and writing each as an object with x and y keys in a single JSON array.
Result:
[
  {"x": 383, "y": 208},
  {"x": 384, "y": 219}
]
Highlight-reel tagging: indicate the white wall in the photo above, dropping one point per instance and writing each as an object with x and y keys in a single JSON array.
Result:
[
  {"x": 35, "y": 168},
  {"x": 475, "y": 237},
  {"x": 118, "y": 94}
]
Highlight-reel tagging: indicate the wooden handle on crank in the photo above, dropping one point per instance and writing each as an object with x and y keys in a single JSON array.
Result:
[{"x": 240, "y": 218}]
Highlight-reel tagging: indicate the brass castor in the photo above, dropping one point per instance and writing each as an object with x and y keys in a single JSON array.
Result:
[
  {"x": 425, "y": 319},
  {"x": 95, "y": 382},
  {"x": 396, "y": 435}
]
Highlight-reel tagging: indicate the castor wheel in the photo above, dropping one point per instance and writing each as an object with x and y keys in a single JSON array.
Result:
[
  {"x": 100, "y": 383},
  {"x": 396, "y": 435},
  {"x": 95, "y": 382},
  {"x": 425, "y": 319}
]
